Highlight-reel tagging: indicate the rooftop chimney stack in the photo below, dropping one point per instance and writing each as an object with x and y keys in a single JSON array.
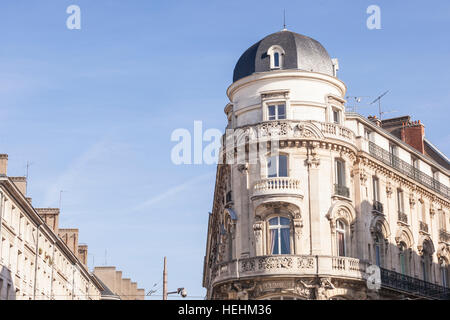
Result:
[
  {"x": 21, "y": 184},
  {"x": 3, "y": 164},
  {"x": 375, "y": 120},
  {"x": 413, "y": 133},
  {"x": 51, "y": 217}
]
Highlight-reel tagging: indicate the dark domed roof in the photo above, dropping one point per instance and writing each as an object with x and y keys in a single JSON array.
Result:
[{"x": 301, "y": 53}]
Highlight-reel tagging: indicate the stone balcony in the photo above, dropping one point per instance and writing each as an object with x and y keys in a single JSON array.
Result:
[
  {"x": 296, "y": 129},
  {"x": 277, "y": 186},
  {"x": 289, "y": 266}
]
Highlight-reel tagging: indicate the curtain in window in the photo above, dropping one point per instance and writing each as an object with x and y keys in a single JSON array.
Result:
[
  {"x": 281, "y": 112},
  {"x": 285, "y": 241},
  {"x": 274, "y": 241},
  {"x": 341, "y": 244},
  {"x": 283, "y": 166}
]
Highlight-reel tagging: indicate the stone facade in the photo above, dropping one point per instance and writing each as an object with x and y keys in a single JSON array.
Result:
[
  {"x": 39, "y": 261},
  {"x": 353, "y": 194}
]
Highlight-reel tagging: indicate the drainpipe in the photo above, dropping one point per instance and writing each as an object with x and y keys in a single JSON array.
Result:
[{"x": 36, "y": 261}]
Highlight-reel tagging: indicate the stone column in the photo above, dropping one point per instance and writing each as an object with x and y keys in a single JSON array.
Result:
[{"x": 313, "y": 163}]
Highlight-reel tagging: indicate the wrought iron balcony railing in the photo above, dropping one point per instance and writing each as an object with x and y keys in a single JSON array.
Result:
[
  {"x": 402, "y": 217},
  {"x": 423, "y": 226},
  {"x": 377, "y": 206},
  {"x": 397, "y": 281},
  {"x": 407, "y": 169},
  {"x": 341, "y": 191},
  {"x": 444, "y": 236}
]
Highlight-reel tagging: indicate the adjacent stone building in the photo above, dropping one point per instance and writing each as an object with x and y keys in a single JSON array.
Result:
[
  {"x": 311, "y": 201},
  {"x": 39, "y": 261},
  {"x": 116, "y": 287}
]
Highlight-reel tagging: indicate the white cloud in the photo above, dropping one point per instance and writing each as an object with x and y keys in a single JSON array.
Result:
[{"x": 172, "y": 191}]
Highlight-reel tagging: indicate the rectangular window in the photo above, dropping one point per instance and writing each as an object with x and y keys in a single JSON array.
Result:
[
  {"x": 400, "y": 204},
  {"x": 340, "y": 172},
  {"x": 376, "y": 189},
  {"x": 393, "y": 154},
  {"x": 415, "y": 163},
  {"x": 402, "y": 263},
  {"x": 277, "y": 112},
  {"x": 277, "y": 166},
  {"x": 336, "y": 116},
  {"x": 436, "y": 175},
  {"x": 443, "y": 223},
  {"x": 377, "y": 255},
  {"x": 368, "y": 135},
  {"x": 435, "y": 179},
  {"x": 341, "y": 244}
]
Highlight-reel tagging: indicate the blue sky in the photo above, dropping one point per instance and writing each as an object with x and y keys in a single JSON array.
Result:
[{"x": 93, "y": 109}]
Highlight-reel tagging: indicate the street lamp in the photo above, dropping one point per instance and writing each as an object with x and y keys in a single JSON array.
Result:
[{"x": 181, "y": 291}]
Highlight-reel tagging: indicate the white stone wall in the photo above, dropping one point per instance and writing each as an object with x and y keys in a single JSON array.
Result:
[{"x": 32, "y": 265}]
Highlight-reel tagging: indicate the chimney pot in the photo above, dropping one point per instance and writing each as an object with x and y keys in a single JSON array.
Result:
[{"x": 3, "y": 164}]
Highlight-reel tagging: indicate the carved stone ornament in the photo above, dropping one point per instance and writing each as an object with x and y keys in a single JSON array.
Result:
[
  {"x": 412, "y": 201},
  {"x": 257, "y": 229},
  {"x": 389, "y": 189},
  {"x": 298, "y": 225}
]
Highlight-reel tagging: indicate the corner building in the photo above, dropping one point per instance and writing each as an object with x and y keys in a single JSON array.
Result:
[{"x": 342, "y": 193}]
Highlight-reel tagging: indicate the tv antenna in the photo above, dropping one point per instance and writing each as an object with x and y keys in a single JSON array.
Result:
[
  {"x": 357, "y": 100},
  {"x": 29, "y": 164},
  {"x": 379, "y": 103}
]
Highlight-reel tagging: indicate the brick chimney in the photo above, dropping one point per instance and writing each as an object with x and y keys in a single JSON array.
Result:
[
  {"x": 413, "y": 133},
  {"x": 70, "y": 238},
  {"x": 83, "y": 253},
  {"x": 3, "y": 164}
]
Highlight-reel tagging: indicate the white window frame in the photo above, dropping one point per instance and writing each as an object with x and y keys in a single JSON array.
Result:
[
  {"x": 279, "y": 226},
  {"x": 376, "y": 188},
  {"x": 342, "y": 231},
  {"x": 277, "y": 106},
  {"x": 277, "y": 164},
  {"x": 340, "y": 173},
  {"x": 271, "y": 53}
]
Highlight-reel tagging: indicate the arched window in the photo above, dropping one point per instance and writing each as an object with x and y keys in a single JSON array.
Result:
[
  {"x": 444, "y": 274},
  {"x": 276, "y": 60},
  {"x": 341, "y": 230},
  {"x": 279, "y": 235},
  {"x": 403, "y": 258},
  {"x": 379, "y": 249},
  {"x": 276, "y": 55},
  {"x": 426, "y": 261}
]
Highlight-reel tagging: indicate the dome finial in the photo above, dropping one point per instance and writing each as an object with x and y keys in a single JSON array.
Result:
[{"x": 284, "y": 20}]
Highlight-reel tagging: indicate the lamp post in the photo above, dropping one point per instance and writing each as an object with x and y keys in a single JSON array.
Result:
[{"x": 180, "y": 291}]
